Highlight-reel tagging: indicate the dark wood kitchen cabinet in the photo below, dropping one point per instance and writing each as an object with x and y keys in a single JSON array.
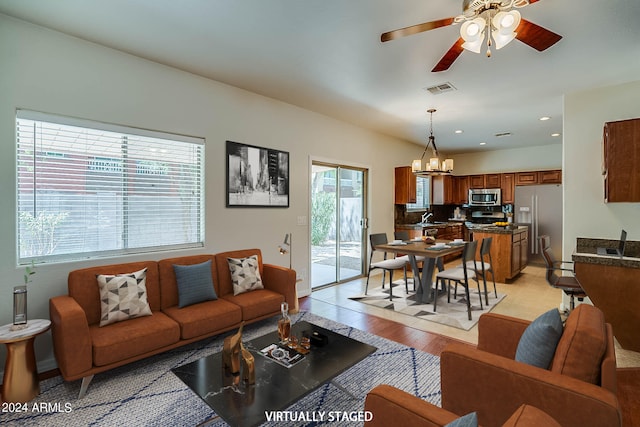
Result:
[
  {"x": 526, "y": 178},
  {"x": 508, "y": 187},
  {"x": 550, "y": 177},
  {"x": 621, "y": 144},
  {"x": 405, "y": 185},
  {"x": 461, "y": 188},
  {"x": 492, "y": 180},
  {"x": 476, "y": 181}
]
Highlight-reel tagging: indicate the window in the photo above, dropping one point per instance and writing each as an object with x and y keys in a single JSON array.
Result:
[
  {"x": 423, "y": 186},
  {"x": 88, "y": 189}
]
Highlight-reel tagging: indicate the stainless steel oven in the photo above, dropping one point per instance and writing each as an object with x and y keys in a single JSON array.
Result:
[{"x": 484, "y": 197}]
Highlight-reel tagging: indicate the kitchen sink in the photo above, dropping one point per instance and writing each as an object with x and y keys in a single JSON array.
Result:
[{"x": 430, "y": 224}]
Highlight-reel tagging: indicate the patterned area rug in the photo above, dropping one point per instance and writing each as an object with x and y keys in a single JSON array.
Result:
[
  {"x": 452, "y": 314},
  {"x": 147, "y": 393}
]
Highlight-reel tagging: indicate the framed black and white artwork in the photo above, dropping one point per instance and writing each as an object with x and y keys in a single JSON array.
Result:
[{"x": 257, "y": 176}]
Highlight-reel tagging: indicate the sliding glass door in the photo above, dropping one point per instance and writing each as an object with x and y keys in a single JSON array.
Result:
[{"x": 338, "y": 200}]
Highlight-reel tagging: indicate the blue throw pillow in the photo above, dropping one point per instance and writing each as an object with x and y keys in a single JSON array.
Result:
[
  {"x": 469, "y": 420},
  {"x": 194, "y": 283},
  {"x": 538, "y": 343}
]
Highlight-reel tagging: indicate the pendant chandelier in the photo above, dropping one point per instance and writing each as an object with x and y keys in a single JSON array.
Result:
[{"x": 433, "y": 167}]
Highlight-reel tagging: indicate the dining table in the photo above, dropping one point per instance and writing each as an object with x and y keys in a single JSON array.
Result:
[{"x": 431, "y": 255}]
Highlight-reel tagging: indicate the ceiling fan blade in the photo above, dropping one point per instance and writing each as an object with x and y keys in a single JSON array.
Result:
[
  {"x": 449, "y": 57},
  {"x": 536, "y": 36},
  {"x": 415, "y": 29}
]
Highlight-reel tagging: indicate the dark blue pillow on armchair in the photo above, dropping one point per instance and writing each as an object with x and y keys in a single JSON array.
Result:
[
  {"x": 538, "y": 343},
  {"x": 195, "y": 283}
]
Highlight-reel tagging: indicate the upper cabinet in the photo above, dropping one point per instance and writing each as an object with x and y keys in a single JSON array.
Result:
[
  {"x": 405, "y": 185},
  {"x": 461, "y": 189},
  {"x": 507, "y": 185},
  {"x": 539, "y": 177},
  {"x": 476, "y": 181},
  {"x": 621, "y": 144},
  {"x": 526, "y": 178},
  {"x": 492, "y": 180},
  {"x": 550, "y": 177}
]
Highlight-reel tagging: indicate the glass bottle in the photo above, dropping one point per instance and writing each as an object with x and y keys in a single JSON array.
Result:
[{"x": 284, "y": 323}]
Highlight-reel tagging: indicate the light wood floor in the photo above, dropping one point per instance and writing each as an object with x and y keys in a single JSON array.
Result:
[{"x": 528, "y": 296}]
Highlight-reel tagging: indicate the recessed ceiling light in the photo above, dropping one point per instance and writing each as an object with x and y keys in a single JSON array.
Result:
[
  {"x": 544, "y": 118},
  {"x": 555, "y": 134},
  {"x": 483, "y": 143},
  {"x": 459, "y": 131}
]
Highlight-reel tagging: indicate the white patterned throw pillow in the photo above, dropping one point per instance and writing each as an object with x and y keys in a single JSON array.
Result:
[
  {"x": 123, "y": 296},
  {"x": 245, "y": 274}
]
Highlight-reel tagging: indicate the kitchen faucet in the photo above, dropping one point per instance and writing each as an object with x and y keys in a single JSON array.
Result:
[{"x": 425, "y": 216}]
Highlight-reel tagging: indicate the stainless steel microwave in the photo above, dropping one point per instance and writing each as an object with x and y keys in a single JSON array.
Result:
[{"x": 484, "y": 197}]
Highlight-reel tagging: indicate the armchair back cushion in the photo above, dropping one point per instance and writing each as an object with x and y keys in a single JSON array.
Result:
[
  {"x": 582, "y": 345},
  {"x": 83, "y": 286},
  {"x": 169, "y": 284}
]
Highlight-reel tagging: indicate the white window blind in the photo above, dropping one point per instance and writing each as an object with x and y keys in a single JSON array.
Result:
[
  {"x": 88, "y": 189},
  {"x": 422, "y": 195}
]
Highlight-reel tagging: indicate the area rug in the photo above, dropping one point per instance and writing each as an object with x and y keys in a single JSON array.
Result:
[
  {"x": 452, "y": 314},
  {"x": 147, "y": 393}
]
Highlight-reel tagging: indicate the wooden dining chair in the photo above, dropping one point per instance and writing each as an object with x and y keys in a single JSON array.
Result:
[{"x": 461, "y": 275}]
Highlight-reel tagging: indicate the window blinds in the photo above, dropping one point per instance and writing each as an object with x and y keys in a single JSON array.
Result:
[{"x": 89, "y": 189}]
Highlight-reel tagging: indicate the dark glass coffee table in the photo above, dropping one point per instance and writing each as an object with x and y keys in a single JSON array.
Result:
[{"x": 277, "y": 387}]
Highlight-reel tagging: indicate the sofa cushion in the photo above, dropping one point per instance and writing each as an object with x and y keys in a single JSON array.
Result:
[
  {"x": 538, "y": 342},
  {"x": 205, "y": 318},
  {"x": 224, "y": 286},
  {"x": 123, "y": 296},
  {"x": 245, "y": 274},
  {"x": 82, "y": 286},
  {"x": 530, "y": 416},
  {"x": 469, "y": 420},
  {"x": 256, "y": 304},
  {"x": 195, "y": 283},
  {"x": 122, "y": 340},
  {"x": 583, "y": 344},
  {"x": 168, "y": 284}
]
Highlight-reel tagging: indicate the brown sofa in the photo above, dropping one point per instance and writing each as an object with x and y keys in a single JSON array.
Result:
[
  {"x": 82, "y": 348},
  {"x": 578, "y": 389},
  {"x": 392, "y": 406}
]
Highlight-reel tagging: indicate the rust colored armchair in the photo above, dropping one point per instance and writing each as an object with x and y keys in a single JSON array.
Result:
[
  {"x": 578, "y": 389},
  {"x": 391, "y": 406}
]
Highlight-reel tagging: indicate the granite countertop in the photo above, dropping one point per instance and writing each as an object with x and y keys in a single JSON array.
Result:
[
  {"x": 586, "y": 252},
  {"x": 498, "y": 230},
  {"x": 422, "y": 226}
]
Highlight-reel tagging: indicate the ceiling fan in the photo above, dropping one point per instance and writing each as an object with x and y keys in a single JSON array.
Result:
[{"x": 491, "y": 19}]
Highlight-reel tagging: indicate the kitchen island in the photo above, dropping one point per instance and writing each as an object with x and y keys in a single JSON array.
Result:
[
  {"x": 611, "y": 283},
  {"x": 509, "y": 249}
]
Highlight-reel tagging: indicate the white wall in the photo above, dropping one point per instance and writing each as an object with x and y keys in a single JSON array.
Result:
[
  {"x": 47, "y": 71},
  {"x": 512, "y": 160},
  {"x": 585, "y": 212}
]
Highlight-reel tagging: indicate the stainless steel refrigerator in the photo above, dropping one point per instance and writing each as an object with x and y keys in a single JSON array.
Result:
[{"x": 540, "y": 207}]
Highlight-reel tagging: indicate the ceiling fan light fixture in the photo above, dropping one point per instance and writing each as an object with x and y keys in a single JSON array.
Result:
[
  {"x": 472, "y": 32},
  {"x": 505, "y": 24}
]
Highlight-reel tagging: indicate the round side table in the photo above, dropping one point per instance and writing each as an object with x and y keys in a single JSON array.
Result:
[{"x": 20, "y": 382}]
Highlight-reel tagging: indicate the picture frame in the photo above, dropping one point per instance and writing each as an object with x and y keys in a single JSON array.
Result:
[{"x": 256, "y": 176}]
